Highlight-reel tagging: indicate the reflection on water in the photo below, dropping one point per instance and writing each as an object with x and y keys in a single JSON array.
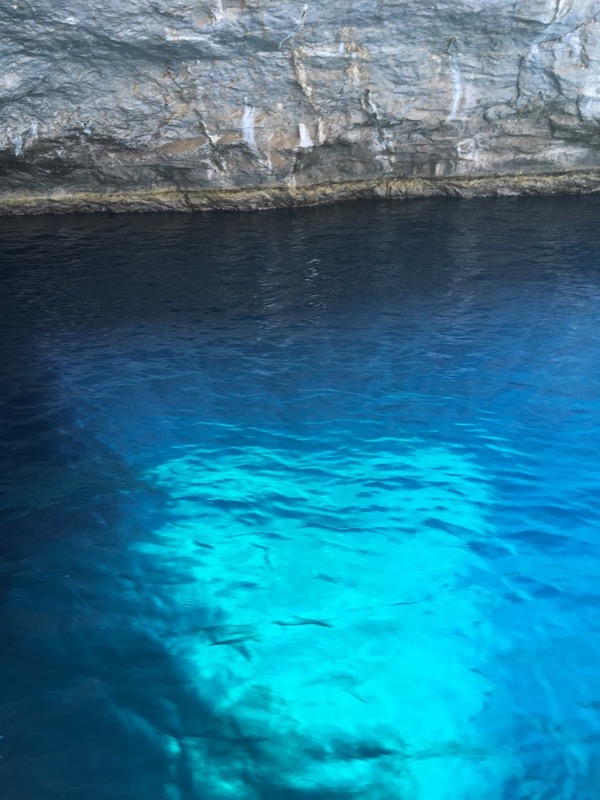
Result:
[{"x": 302, "y": 504}]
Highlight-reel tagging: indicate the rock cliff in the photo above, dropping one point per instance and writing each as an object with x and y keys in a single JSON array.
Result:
[{"x": 131, "y": 104}]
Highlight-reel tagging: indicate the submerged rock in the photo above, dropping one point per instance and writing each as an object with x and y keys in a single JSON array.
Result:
[
  {"x": 328, "y": 667},
  {"x": 250, "y": 103}
]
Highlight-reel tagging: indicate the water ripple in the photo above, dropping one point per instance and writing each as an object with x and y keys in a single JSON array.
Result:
[{"x": 302, "y": 505}]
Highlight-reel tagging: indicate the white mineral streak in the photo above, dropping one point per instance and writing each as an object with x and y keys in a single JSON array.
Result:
[
  {"x": 304, "y": 135},
  {"x": 457, "y": 90},
  {"x": 321, "y": 135},
  {"x": 248, "y": 126}
]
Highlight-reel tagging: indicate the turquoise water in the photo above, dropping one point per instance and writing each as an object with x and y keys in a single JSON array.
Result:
[{"x": 302, "y": 504}]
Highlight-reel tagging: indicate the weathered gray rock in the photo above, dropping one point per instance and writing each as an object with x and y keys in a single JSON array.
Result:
[{"x": 193, "y": 103}]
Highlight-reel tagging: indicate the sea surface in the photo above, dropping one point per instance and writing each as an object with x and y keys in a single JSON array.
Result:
[{"x": 302, "y": 505}]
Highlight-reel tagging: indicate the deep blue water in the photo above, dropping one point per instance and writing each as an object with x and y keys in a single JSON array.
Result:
[{"x": 302, "y": 504}]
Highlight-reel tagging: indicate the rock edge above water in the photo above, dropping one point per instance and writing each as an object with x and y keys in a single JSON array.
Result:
[{"x": 262, "y": 198}]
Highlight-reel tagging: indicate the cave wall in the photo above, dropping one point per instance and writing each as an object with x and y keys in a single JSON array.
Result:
[{"x": 251, "y": 103}]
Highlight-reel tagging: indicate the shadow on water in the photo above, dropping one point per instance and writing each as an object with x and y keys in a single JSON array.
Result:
[{"x": 301, "y": 504}]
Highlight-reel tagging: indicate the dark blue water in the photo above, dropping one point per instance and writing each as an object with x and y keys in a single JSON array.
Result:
[{"x": 302, "y": 504}]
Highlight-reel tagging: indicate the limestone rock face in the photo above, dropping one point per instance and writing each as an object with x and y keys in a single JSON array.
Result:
[{"x": 217, "y": 96}]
